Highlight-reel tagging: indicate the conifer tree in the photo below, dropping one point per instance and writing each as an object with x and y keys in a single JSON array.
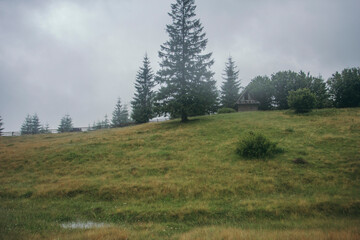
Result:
[
  {"x": 124, "y": 116},
  {"x": 98, "y": 125},
  {"x": 187, "y": 84},
  {"x": 45, "y": 129},
  {"x": 120, "y": 115},
  {"x": 142, "y": 103},
  {"x": 35, "y": 124},
  {"x": 231, "y": 85},
  {"x": 26, "y": 127},
  {"x": 106, "y": 122},
  {"x": 31, "y": 125},
  {"x": 1, "y": 128},
  {"x": 65, "y": 124}
]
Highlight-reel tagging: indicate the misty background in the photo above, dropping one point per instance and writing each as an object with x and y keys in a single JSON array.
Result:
[{"x": 78, "y": 57}]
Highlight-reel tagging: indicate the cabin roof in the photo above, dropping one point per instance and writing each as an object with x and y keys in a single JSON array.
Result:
[{"x": 246, "y": 99}]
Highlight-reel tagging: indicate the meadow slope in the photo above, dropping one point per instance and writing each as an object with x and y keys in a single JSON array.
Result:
[{"x": 184, "y": 181}]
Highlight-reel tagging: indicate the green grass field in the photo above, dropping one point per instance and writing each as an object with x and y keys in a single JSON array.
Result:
[{"x": 184, "y": 181}]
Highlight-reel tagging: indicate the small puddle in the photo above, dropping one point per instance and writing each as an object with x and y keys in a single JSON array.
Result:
[{"x": 83, "y": 225}]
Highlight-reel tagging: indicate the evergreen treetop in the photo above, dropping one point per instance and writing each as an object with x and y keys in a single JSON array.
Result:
[
  {"x": 231, "y": 85},
  {"x": 142, "y": 103},
  {"x": 65, "y": 124},
  {"x": 31, "y": 125},
  {"x": 26, "y": 127},
  {"x": 187, "y": 85},
  {"x": 36, "y": 126},
  {"x": 120, "y": 115}
]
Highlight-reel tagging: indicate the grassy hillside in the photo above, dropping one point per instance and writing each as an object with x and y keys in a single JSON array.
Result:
[{"x": 184, "y": 181}]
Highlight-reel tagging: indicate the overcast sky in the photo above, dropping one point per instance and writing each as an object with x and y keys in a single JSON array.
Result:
[{"x": 77, "y": 57}]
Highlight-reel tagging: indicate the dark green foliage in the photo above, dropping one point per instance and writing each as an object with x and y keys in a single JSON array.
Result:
[
  {"x": 36, "y": 126},
  {"x": 26, "y": 127},
  {"x": 256, "y": 145},
  {"x": 1, "y": 128},
  {"x": 231, "y": 85},
  {"x": 65, "y": 124},
  {"x": 120, "y": 115},
  {"x": 274, "y": 92},
  {"x": 262, "y": 90},
  {"x": 345, "y": 88},
  {"x": 226, "y": 110},
  {"x": 143, "y": 103},
  {"x": 187, "y": 84},
  {"x": 301, "y": 100},
  {"x": 284, "y": 82},
  {"x": 31, "y": 125},
  {"x": 318, "y": 87}
]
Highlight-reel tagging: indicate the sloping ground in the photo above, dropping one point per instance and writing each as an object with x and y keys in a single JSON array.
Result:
[{"x": 164, "y": 179}]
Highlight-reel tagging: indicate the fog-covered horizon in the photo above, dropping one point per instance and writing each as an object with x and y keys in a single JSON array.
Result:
[{"x": 77, "y": 57}]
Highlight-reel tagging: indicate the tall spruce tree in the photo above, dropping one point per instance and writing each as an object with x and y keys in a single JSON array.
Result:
[
  {"x": 231, "y": 86},
  {"x": 187, "y": 84},
  {"x": 65, "y": 124},
  {"x": 120, "y": 115},
  {"x": 1, "y": 128},
  {"x": 142, "y": 104}
]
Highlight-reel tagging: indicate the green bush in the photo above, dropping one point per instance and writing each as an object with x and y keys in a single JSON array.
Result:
[
  {"x": 301, "y": 100},
  {"x": 256, "y": 145},
  {"x": 226, "y": 110}
]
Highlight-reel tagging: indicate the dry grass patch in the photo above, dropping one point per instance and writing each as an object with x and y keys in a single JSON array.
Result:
[
  {"x": 93, "y": 234},
  {"x": 216, "y": 233}
]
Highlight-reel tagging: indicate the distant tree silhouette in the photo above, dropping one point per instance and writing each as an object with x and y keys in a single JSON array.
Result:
[
  {"x": 45, "y": 129},
  {"x": 106, "y": 122},
  {"x": 231, "y": 85},
  {"x": 120, "y": 115},
  {"x": 26, "y": 127},
  {"x": 31, "y": 125},
  {"x": 36, "y": 126},
  {"x": 143, "y": 102},
  {"x": 262, "y": 90},
  {"x": 66, "y": 124},
  {"x": 1, "y": 128},
  {"x": 345, "y": 88}
]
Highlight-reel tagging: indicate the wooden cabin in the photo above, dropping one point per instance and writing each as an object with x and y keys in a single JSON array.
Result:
[{"x": 246, "y": 102}]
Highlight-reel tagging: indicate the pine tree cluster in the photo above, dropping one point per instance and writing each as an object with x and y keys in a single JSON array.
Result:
[
  {"x": 65, "y": 124},
  {"x": 120, "y": 115},
  {"x": 31, "y": 125}
]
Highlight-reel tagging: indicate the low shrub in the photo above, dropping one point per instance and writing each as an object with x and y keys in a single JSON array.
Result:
[
  {"x": 226, "y": 110},
  {"x": 256, "y": 145},
  {"x": 301, "y": 100}
]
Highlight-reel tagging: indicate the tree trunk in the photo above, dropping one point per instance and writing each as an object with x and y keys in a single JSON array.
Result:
[{"x": 184, "y": 117}]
